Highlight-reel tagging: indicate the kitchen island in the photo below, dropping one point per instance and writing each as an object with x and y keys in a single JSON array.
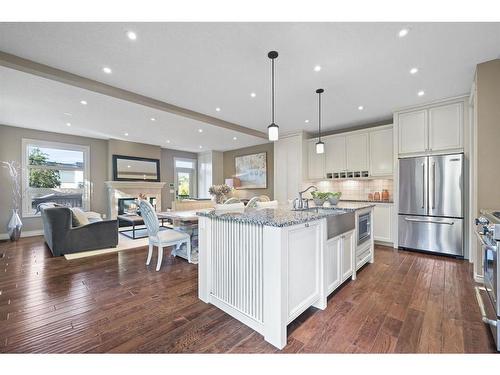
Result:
[{"x": 265, "y": 267}]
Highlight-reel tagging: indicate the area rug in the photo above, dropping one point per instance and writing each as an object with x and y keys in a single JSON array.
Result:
[{"x": 124, "y": 243}]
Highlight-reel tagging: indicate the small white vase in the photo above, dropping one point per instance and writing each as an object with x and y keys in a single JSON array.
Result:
[{"x": 15, "y": 226}]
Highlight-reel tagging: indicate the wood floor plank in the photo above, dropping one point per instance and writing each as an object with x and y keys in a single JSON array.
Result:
[{"x": 404, "y": 302}]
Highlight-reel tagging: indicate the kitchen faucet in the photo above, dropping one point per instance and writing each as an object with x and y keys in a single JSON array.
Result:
[{"x": 302, "y": 203}]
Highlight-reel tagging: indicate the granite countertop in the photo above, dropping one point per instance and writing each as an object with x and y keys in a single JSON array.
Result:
[
  {"x": 284, "y": 216},
  {"x": 488, "y": 212},
  {"x": 365, "y": 200},
  {"x": 279, "y": 217}
]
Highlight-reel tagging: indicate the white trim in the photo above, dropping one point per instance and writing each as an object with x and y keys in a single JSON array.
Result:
[
  {"x": 61, "y": 146},
  {"x": 28, "y": 233}
]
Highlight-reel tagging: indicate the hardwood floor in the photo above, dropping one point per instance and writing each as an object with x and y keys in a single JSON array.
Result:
[{"x": 404, "y": 303}]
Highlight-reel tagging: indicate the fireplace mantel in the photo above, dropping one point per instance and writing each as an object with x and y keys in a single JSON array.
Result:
[
  {"x": 131, "y": 189},
  {"x": 134, "y": 185}
]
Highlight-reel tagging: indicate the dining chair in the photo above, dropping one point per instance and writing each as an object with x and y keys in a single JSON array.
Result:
[
  {"x": 164, "y": 238},
  {"x": 270, "y": 204},
  {"x": 264, "y": 198},
  {"x": 232, "y": 200},
  {"x": 231, "y": 207},
  {"x": 252, "y": 203}
]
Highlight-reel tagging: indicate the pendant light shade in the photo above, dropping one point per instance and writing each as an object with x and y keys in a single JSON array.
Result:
[
  {"x": 273, "y": 129},
  {"x": 320, "y": 146}
]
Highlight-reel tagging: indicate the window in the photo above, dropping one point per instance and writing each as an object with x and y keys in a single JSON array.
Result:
[
  {"x": 185, "y": 178},
  {"x": 54, "y": 172}
]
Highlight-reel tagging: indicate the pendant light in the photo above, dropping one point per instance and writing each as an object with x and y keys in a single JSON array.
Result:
[
  {"x": 320, "y": 146},
  {"x": 273, "y": 129}
]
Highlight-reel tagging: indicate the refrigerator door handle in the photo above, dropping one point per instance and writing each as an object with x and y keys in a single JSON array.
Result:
[
  {"x": 423, "y": 185},
  {"x": 430, "y": 221},
  {"x": 433, "y": 185}
]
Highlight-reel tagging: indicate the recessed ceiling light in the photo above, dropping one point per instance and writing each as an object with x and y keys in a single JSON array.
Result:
[
  {"x": 126, "y": 134},
  {"x": 131, "y": 35},
  {"x": 107, "y": 70},
  {"x": 201, "y": 147},
  {"x": 128, "y": 166},
  {"x": 317, "y": 68},
  {"x": 361, "y": 107},
  {"x": 168, "y": 140},
  {"x": 234, "y": 138},
  {"x": 83, "y": 102},
  {"x": 253, "y": 95},
  {"x": 68, "y": 124},
  {"x": 413, "y": 70},
  {"x": 153, "y": 119},
  {"x": 217, "y": 109},
  {"x": 403, "y": 32},
  {"x": 200, "y": 130},
  {"x": 421, "y": 93},
  {"x": 306, "y": 121}
]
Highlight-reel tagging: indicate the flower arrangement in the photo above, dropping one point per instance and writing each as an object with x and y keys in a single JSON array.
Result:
[
  {"x": 14, "y": 169},
  {"x": 219, "y": 192},
  {"x": 15, "y": 224}
]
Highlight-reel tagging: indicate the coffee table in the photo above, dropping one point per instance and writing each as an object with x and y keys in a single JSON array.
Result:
[{"x": 136, "y": 220}]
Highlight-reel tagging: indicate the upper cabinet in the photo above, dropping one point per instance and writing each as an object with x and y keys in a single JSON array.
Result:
[
  {"x": 381, "y": 152},
  {"x": 316, "y": 162},
  {"x": 435, "y": 128},
  {"x": 335, "y": 151},
  {"x": 357, "y": 152},
  {"x": 412, "y": 132},
  {"x": 446, "y": 126}
]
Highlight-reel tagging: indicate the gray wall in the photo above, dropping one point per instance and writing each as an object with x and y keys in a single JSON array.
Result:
[
  {"x": 229, "y": 169},
  {"x": 141, "y": 150},
  {"x": 10, "y": 149},
  {"x": 167, "y": 172}
]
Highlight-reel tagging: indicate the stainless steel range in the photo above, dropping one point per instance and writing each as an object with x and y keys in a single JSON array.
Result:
[{"x": 488, "y": 232}]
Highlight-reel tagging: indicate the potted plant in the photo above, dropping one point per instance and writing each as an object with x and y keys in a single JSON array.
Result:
[
  {"x": 319, "y": 197},
  {"x": 333, "y": 198}
]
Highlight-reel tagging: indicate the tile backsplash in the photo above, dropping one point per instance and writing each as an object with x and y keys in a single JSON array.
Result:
[{"x": 355, "y": 189}]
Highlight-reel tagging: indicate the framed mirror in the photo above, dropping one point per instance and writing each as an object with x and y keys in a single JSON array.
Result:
[{"x": 130, "y": 168}]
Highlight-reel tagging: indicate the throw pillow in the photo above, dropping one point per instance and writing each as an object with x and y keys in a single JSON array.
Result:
[{"x": 78, "y": 218}]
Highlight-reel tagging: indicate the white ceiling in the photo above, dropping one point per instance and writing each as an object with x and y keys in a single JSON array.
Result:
[
  {"x": 201, "y": 66},
  {"x": 37, "y": 103}
]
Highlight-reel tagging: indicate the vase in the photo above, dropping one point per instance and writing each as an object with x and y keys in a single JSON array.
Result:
[{"x": 15, "y": 226}]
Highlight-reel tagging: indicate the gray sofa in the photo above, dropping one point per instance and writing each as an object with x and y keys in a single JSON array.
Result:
[{"x": 62, "y": 238}]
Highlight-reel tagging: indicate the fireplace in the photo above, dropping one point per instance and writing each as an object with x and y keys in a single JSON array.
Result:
[
  {"x": 123, "y": 193},
  {"x": 129, "y": 205}
]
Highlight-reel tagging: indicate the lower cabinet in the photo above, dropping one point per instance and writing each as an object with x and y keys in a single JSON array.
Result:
[
  {"x": 382, "y": 222},
  {"x": 339, "y": 260}
]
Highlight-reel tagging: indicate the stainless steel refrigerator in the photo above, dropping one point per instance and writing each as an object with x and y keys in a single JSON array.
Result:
[{"x": 431, "y": 201}]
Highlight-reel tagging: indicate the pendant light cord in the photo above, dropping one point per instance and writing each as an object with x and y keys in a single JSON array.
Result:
[
  {"x": 319, "y": 118},
  {"x": 272, "y": 90}
]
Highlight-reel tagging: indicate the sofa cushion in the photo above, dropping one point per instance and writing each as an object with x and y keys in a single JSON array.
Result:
[
  {"x": 93, "y": 216},
  {"x": 79, "y": 218}
]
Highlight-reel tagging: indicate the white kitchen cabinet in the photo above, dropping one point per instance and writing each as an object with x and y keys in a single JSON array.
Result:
[
  {"x": 288, "y": 167},
  {"x": 347, "y": 256},
  {"x": 339, "y": 257},
  {"x": 446, "y": 127},
  {"x": 335, "y": 154},
  {"x": 316, "y": 162},
  {"x": 382, "y": 219},
  {"x": 432, "y": 129},
  {"x": 381, "y": 152},
  {"x": 357, "y": 152},
  {"x": 412, "y": 132},
  {"x": 333, "y": 252}
]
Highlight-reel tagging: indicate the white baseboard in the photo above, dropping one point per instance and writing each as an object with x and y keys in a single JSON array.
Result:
[{"x": 28, "y": 233}]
